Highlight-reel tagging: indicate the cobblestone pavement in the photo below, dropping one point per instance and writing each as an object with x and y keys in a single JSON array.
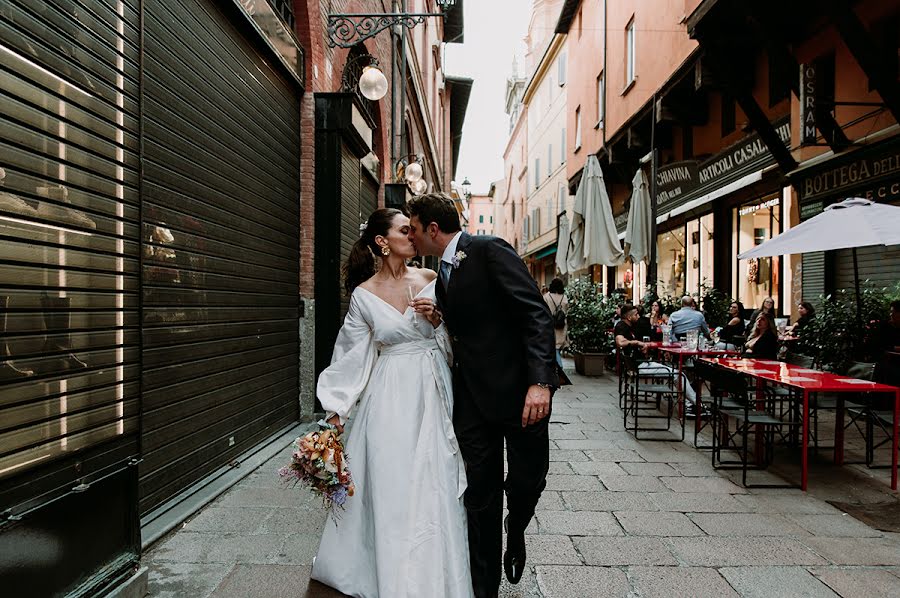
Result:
[{"x": 619, "y": 517}]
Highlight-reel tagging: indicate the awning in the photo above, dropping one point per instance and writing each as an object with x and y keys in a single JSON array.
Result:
[{"x": 545, "y": 252}]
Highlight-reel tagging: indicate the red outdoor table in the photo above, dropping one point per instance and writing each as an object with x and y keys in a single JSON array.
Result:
[
  {"x": 807, "y": 381},
  {"x": 683, "y": 352}
]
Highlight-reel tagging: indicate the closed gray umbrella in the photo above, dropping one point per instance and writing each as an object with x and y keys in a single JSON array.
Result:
[
  {"x": 637, "y": 232},
  {"x": 562, "y": 246},
  {"x": 593, "y": 235}
]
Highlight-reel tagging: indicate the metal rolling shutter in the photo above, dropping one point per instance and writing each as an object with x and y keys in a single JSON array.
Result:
[
  {"x": 351, "y": 214},
  {"x": 880, "y": 266},
  {"x": 69, "y": 339},
  {"x": 813, "y": 275},
  {"x": 221, "y": 263}
]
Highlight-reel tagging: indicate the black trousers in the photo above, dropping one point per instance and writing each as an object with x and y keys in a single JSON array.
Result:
[{"x": 528, "y": 459}]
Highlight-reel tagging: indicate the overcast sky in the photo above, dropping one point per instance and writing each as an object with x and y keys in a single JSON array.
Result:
[{"x": 494, "y": 30}]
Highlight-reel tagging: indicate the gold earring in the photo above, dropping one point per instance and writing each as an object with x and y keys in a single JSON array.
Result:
[{"x": 385, "y": 251}]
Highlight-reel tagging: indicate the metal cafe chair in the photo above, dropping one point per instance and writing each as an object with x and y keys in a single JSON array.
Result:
[
  {"x": 708, "y": 408},
  {"x": 869, "y": 416},
  {"x": 648, "y": 396},
  {"x": 749, "y": 418}
]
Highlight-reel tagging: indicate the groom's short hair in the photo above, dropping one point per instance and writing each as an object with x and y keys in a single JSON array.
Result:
[{"x": 435, "y": 207}]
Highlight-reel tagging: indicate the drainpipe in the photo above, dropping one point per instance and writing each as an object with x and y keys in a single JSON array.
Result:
[{"x": 605, "y": 73}]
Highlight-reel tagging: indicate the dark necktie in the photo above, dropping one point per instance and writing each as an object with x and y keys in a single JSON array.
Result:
[{"x": 445, "y": 274}]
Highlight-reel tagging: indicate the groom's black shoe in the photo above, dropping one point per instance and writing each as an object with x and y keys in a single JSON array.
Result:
[{"x": 514, "y": 557}]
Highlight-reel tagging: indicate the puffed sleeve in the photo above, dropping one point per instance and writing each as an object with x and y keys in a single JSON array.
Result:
[{"x": 342, "y": 383}]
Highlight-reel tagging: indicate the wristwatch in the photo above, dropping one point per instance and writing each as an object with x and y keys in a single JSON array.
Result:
[{"x": 545, "y": 385}]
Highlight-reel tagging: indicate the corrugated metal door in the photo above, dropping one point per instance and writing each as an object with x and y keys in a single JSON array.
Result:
[
  {"x": 221, "y": 233},
  {"x": 351, "y": 213},
  {"x": 69, "y": 339},
  {"x": 880, "y": 266}
]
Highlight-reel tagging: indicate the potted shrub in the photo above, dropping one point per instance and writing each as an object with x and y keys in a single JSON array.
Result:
[{"x": 590, "y": 327}]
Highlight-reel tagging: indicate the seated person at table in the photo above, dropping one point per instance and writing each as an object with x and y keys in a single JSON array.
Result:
[
  {"x": 763, "y": 342},
  {"x": 642, "y": 328},
  {"x": 728, "y": 336},
  {"x": 687, "y": 319},
  {"x": 891, "y": 331},
  {"x": 768, "y": 308},
  {"x": 625, "y": 334},
  {"x": 626, "y": 341}
]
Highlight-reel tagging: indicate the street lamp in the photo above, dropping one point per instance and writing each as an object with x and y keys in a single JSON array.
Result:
[
  {"x": 466, "y": 185},
  {"x": 409, "y": 170},
  {"x": 346, "y": 30}
]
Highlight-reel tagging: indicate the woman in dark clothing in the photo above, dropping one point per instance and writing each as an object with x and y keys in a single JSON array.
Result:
[
  {"x": 763, "y": 343},
  {"x": 807, "y": 313},
  {"x": 768, "y": 308},
  {"x": 735, "y": 326}
]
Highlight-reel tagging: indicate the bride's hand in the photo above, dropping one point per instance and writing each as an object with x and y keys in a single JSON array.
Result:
[
  {"x": 335, "y": 421},
  {"x": 425, "y": 306}
]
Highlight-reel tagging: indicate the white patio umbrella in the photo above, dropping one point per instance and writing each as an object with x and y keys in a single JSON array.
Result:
[
  {"x": 637, "y": 232},
  {"x": 562, "y": 246},
  {"x": 593, "y": 233},
  {"x": 852, "y": 223}
]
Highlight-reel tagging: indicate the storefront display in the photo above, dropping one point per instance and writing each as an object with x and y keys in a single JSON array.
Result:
[
  {"x": 756, "y": 279},
  {"x": 700, "y": 253},
  {"x": 671, "y": 255}
]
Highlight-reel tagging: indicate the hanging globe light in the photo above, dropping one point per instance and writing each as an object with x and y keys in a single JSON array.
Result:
[
  {"x": 413, "y": 172},
  {"x": 373, "y": 84},
  {"x": 418, "y": 187}
]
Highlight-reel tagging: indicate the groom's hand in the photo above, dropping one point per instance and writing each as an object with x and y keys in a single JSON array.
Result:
[{"x": 537, "y": 405}]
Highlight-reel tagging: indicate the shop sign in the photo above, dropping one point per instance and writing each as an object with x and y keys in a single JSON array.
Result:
[
  {"x": 686, "y": 180},
  {"x": 808, "y": 84},
  {"x": 875, "y": 176},
  {"x": 759, "y": 206}
]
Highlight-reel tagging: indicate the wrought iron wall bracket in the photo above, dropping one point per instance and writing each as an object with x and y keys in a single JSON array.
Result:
[{"x": 347, "y": 30}]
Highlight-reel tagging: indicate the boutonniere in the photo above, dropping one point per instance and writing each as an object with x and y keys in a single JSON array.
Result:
[{"x": 458, "y": 258}]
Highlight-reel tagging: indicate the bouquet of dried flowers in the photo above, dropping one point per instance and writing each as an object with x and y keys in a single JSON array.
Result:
[{"x": 319, "y": 462}]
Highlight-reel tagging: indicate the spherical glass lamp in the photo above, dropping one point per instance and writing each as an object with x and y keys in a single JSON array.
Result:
[
  {"x": 413, "y": 172},
  {"x": 373, "y": 84},
  {"x": 418, "y": 187}
]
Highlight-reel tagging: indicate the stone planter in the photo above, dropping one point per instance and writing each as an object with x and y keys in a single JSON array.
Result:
[{"x": 590, "y": 364}]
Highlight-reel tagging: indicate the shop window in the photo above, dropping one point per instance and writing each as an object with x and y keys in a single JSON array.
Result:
[
  {"x": 754, "y": 280},
  {"x": 729, "y": 116},
  {"x": 671, "y": 256},
  {"x": 699, "y": 254}
]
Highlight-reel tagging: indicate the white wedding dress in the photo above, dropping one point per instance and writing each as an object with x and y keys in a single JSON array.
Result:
[{"x": 403, "y": 533}]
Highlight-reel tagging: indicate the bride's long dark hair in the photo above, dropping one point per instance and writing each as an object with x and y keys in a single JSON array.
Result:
[{"x": 360, "y": 266}]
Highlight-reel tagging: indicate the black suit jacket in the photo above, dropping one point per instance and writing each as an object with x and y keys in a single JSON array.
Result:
[{"x": 502, "y": 331}]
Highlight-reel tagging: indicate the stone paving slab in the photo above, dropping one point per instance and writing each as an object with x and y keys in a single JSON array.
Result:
[
  {"x": 705, "y": 485},
  {"x": 679, "y": 582},
  {"x": 725, "y": 552},
  {"x": 775, "y": 582},
  {"x": 859, "y": 582},
  {"x": 697, "y": 502},
  {"x": 578, "y": 523},
  {"x": 785, "y": 503},
  {"x": 608, "y": 501},
  {"x": 632, "y": 483},
  {"x": 856, "y": 551},
  {"x": 620, "y": 551},
  {"x": 268, "y": 581},
  {"x": 550, "y": 501},
  {"x": 649, "y": 469},
  {"x": 180, "y": 579},
  {"x": 747, "y": 524},
  {"x": 574, "y": 482},
  {"x": 613, "y": 455},
  {"x": 835, "y": 526},
  {"x": 567, "y": 455},
  {"x": 597, "y": 468},
  {"x": 667, "y": 525},
  {"x": 545, "y": 549},
  {"x": 567, "y": 582}
]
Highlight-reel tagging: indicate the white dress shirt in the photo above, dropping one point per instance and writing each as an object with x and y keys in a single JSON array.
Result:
[{"x": 450, "y": 250}]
